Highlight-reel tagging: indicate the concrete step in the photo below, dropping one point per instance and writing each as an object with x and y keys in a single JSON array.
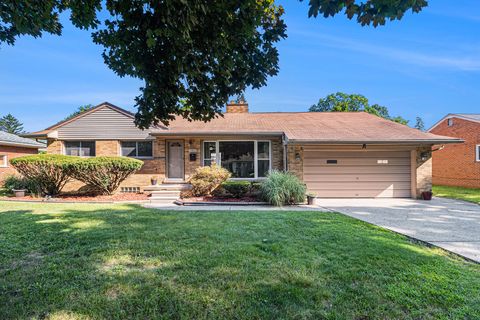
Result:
[
  {"x": 169, "y": 195},
  {"x": 169, "y": 187}
]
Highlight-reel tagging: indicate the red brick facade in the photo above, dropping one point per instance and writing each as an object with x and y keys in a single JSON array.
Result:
[
  {"x": 12, "y": 152},
  {"x": 456, "y": 165}
]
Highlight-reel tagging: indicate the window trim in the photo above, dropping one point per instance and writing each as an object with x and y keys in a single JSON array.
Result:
[
  {"x": 477, "y": 153},
  {"x": 255, "y": 155},
  {"x": 5, "y": 161},
  {"x": 79, "y": 141},
  {"x": 136, "y": 148}
]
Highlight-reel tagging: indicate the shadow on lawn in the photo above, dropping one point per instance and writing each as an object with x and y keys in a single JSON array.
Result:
[{"x": 133, "y": 262}]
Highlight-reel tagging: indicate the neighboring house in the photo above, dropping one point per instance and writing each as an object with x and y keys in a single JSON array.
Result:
[
  {"x": 458, "y": 164},
  {"x": 12, "y": 146},
  {"x": 336, "y": 154}
]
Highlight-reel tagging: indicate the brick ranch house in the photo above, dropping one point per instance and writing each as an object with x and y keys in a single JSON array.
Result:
[
  {"x": 458, "y": 164},
  {"x": 336, "y": 154},
  {"x": 13, "y": 146}
]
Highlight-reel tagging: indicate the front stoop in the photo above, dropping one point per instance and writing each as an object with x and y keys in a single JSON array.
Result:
[{"x": 166, "y": 192}]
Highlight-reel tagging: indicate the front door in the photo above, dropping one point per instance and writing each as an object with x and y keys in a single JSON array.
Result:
[{"x": 175, "y": 160}]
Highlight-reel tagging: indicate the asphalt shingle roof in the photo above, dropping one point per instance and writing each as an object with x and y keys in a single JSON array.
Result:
[
  {"x": 306, "y": 126},
  {"x": 12, "y": 139}
]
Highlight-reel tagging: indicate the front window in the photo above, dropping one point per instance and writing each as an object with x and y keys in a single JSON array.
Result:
[
  {"x": 477, "y": 153},
  {"x": 80, "y": 148},
  {"x": 238, "y": 157},
  {"x": 3, "y": 161},
  {"x": 137, "y": 149},
  {"x": 244, "y": 159}
]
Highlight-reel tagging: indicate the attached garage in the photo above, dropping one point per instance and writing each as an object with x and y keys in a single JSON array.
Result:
[{"x": 358, "y": 174}]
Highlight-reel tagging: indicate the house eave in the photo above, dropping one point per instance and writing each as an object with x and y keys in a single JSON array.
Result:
[
  {"x": 217, "y": 133},
  {"x": 383, "y": 142},
  {"x": 21, "y": 145}
]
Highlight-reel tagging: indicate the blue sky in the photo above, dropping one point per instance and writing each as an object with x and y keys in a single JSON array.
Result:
[{"x": 426, "y": 65}]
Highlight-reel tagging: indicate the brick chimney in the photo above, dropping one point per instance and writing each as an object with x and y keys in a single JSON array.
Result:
[{"x": 237, "y": 107}]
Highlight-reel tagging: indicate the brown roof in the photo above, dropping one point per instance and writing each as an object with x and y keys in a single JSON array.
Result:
[
  {"x": 323, "y": 127},
  {"x": 314, "y": 127}
]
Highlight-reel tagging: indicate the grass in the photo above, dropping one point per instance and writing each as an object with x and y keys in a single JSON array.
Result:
[
  {"x": 65, "y": 261},
  {"x": 466, "y": 194}
]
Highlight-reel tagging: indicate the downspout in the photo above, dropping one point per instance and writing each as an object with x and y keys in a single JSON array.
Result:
[{"x": 285, "y": 152}]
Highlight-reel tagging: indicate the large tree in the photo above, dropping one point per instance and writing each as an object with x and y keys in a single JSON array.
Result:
[
  {"x": 194, "y": 53},
  {"x": 11, "y": 124},
  {"x": 343, "y": 102}
]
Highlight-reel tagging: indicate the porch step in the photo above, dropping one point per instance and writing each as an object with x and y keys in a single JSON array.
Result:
[
  {"x": 163, "y": 194},
  {"x": 169, "y": 187},
  {"x": 167, "y": 192}
]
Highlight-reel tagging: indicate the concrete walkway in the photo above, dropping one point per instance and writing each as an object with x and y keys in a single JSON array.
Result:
[{"x": 450, "y": 224}]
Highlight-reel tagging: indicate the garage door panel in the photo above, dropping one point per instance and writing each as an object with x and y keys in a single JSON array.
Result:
[
  {"x": 398, "y": 177},
  {"x": 358, "y": 161},
  {"x": 358, "y": 174},
  {"x": 356, "y": 155},
  {"x": 370, "y": 185},
  {"x": 355, "y": 169},
  {"x": 362, "y": 193}
]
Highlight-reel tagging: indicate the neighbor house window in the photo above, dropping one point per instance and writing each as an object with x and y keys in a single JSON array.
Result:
[
  {"x": 80, "y": 148},
  {"x": 477, "y": 152},
  {"x": 244, "y": 159},
  {"x": 137, "y": 149},
  {"x": 3, "y": 161}
]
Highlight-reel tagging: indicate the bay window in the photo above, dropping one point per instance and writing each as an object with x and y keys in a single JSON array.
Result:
[
  {"x": 244, "y": 159},
  {"x": 80, "y": 148}
]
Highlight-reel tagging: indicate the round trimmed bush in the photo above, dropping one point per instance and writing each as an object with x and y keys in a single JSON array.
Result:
[
  {"x": 237, "y": 189},
  {"x": 206, "y": 179},
  {"x": 105, "y": 174},
  {"x": 283, "y": 188},
  {"x": 50, "y": 172}
]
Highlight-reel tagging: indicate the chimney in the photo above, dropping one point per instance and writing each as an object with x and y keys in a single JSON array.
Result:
[{"x": 239, "y": 106}]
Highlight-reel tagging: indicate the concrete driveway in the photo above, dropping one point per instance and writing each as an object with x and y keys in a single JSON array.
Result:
[{"x": 450, "y": 224}]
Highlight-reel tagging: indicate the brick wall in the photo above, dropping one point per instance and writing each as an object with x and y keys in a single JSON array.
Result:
[
  {"x": 455, "y": 165},
  {"x": 13, "y": 152},
  {"x": 157, "y": 166},
  {"x": 295, "y": 160},
  {"x": 151, "y": 168},
  {"x": 423, "y": 170}
]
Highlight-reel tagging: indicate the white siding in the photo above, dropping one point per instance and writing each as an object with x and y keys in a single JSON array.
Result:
[{"x": 103, "y": 124}]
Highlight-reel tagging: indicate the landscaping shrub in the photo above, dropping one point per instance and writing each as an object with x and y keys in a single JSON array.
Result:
[
  {"x": 14, "y": 182},
  {"x": 237, "y": 189},
  {"x": 105, "y": 173},
  {"x": 206, "y": 179},
  {"x": 49, "y": 172},
  {"x": 281, "y": 188}
]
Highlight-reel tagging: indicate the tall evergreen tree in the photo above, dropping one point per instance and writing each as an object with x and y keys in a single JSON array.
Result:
[
  {"x": 419, "y": 124},
  {"x": 11, "y": 124}
]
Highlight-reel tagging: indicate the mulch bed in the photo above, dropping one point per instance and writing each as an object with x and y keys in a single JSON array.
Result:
[
  {"x": 220, "y": 199},
  {"x": 85, "y": 198}
]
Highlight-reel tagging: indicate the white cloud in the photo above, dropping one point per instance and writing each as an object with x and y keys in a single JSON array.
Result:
[{"x": 463, "y": 62}]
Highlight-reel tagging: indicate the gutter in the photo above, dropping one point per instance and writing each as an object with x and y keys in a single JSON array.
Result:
[
  {"x": 413, "y": 141},
  {"x": 14, "y": 144},
  {"x": 217, "y": 133}
]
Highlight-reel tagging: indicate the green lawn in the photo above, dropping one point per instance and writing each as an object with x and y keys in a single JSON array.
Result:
[
  {"x": 471, "y": 195},
  {"x": 62, "y": 261}
]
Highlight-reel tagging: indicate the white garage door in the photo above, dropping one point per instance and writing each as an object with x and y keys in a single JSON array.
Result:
[{"x": 354, "y": 174}]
